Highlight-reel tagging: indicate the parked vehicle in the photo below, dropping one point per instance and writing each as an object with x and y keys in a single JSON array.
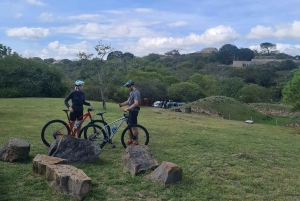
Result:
[
  {"x": 174, "y": 104},
  {"x": 157, "y": 104}
]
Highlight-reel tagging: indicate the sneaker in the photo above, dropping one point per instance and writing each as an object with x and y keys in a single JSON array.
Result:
[
  {"x": 135, "y": 143},
  {"x": 129, "y": 142}
]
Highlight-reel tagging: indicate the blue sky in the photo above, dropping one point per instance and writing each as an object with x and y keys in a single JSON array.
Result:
[{"x": 61, "y": 29}]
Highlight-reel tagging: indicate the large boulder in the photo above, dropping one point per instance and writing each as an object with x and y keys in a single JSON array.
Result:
[
  {"x": 75, "y": 150},
  {"x": 138, "y": 159},
  {"x": 168, "y": 173},
  {"x": 14, "y": 149},
  {"x": 62, "y": 177}
]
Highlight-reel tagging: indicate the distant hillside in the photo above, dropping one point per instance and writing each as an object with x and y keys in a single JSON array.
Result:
[{"x": 229, "y": 108}]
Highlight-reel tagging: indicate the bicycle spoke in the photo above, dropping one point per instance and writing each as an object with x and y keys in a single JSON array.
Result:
[{"x": 54, "y": 130}]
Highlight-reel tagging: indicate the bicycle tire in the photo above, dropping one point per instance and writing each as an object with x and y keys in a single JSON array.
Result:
[
  {"x": 94, "y": 132},
  {"x": 53, "y": 130},
  {"x": 103, "y": 124},
  {"x": 143, "y": 135}
]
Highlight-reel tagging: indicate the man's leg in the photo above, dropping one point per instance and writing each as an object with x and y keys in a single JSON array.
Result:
[{"x": 132, "y": 119}]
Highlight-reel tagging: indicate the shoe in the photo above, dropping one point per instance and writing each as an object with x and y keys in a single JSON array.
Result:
[
  {"x": 135, "y": 143},
  {"x": 129, "y": 142}
]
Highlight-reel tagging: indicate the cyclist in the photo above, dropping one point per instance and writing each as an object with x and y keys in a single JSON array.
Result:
[
  {"x": 78, "y": 100},
  {"x": 133, "y": 103}
]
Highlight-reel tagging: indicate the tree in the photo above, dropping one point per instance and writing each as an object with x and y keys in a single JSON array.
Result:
[
  {"x": 4, "y": 51},
  {"x": 207, "y": 83},
  {"x": 227, "y": 54},
  {"x": 245, "y": 54},
  {"x": 229, "y": 87},
  {"x": 114, "y": 54},
  {"x": 253, "y": 93},
  {"x": 291, "y": 92},
  {"x": 184, "y": 91},
  {"x": 287, "y": 65},
  {"x": 267, "y": 47},
  {"x": 128, "y": 55},
  {"x": 101, "y": 73}
]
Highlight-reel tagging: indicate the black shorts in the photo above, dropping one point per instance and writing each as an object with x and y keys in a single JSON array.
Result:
[
  {"x": 76, "y": 115},
  {"x": 132, "y": 118}
]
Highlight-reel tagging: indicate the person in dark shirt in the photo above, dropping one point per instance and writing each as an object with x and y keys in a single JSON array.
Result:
[
  {"x": 133, "y": 103},
  {"x": 78, "y": 100}
]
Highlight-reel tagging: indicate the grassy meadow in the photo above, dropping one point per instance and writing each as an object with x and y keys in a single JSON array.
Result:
[{"x": 221, "y": 159}]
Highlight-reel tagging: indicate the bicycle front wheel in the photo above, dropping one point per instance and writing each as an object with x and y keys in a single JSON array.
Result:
[
  {"x": 54, "y": 130},
  {"x": 103, "y": 124},
  {"x": 142, "y": 136},
  {"x": 94, "y": 133}
]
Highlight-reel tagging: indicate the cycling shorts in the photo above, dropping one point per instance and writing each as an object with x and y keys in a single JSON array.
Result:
[{"x": 76, "y": 115}]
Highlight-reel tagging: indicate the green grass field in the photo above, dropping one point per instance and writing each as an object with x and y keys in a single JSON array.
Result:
[{"x": 221, "y": 159}]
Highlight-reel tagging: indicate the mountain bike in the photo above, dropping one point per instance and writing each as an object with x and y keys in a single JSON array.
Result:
[
  {"x": 55, "y": 129},
  {"x": 103, "y": 135}
]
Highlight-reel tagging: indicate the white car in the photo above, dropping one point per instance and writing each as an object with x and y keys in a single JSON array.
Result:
[{"x": 156, "y": 104}]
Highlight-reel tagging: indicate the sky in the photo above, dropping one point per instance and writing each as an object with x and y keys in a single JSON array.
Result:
[{"x": 60, "y": 29}]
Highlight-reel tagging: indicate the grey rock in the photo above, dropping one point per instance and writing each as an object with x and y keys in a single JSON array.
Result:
[
  {"x": 138, "y": 159},
  {"x": 75, "y": 150},
  {"x": 168, "y": 173},
  {"x": 14, "y": 149}
]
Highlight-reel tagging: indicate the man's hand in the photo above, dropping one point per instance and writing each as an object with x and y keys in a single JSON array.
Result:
[
  {"x": 125, "y": 109},
  {"x": 71, "y": 109}
]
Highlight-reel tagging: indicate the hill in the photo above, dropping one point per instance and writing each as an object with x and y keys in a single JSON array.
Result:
[{"x": 229, "y": 108}]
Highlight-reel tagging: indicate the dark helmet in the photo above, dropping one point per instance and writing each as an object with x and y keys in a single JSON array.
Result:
[
  {"x": 79, "y": 83},
  {"x": 129, "y": 83}
]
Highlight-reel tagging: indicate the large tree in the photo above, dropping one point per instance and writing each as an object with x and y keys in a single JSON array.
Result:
[
  {"x": 227, "y": 54},
  {"x": 267, "y": 47},
  {"x": 102, "y": 73}
]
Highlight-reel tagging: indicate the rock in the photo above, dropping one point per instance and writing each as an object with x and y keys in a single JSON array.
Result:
[
  {"x": 208, "y": 50},
  {"x": 75, "y": 150},
  {"x": 138, "y": 159},
  {"x": 14, "y": 149},
  {"x": 40, "y": 162},
  {"x": 62, "y": 177},
  {"x": 168, "y": 173}
]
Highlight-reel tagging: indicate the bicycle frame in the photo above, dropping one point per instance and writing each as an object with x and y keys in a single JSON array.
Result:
[
  {"x": 84, "y": 117},
  {"x": 108, "y": 133}
]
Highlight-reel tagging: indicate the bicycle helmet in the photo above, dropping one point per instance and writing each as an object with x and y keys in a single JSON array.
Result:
[
  {"x": 129, "y": 83},
  {"x": 79, "y": 83}
]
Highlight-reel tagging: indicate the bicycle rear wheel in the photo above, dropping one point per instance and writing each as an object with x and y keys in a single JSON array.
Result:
[
  {"x": 54, "y": 130},
  {"x": 142, "y": 137},
  {"x": 94, "y": 133}
]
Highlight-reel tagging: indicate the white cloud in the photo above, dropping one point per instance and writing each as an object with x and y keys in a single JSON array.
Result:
[
  {"x": 53, "y": 45},
  {"x": 212, "y": 37},
  {"x": 143, "y": 10},
  {"x": 35, "y": 2},
  {"x": 58, "y": 51},
  {"x": 290, "y": 31},
  {"x": 177, "y": 24},
  {"x": 117, "y": 12},
  {"x": 283, "y": 31},
  {"x": 260, "y": 32},
  {"x": 28, "y": 33},
  {"x": 87, "y": 17},
  {"x": 288, "y": 49},
  {"x": 46, "y": 17}
]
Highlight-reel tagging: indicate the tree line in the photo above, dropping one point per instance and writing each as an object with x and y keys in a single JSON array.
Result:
[{"x": 186, "y": 77}]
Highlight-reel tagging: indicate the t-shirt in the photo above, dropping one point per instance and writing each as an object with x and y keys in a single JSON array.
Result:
[
  {"x": 78, "y": 100},
  {"x": 134, "y": 95}
]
